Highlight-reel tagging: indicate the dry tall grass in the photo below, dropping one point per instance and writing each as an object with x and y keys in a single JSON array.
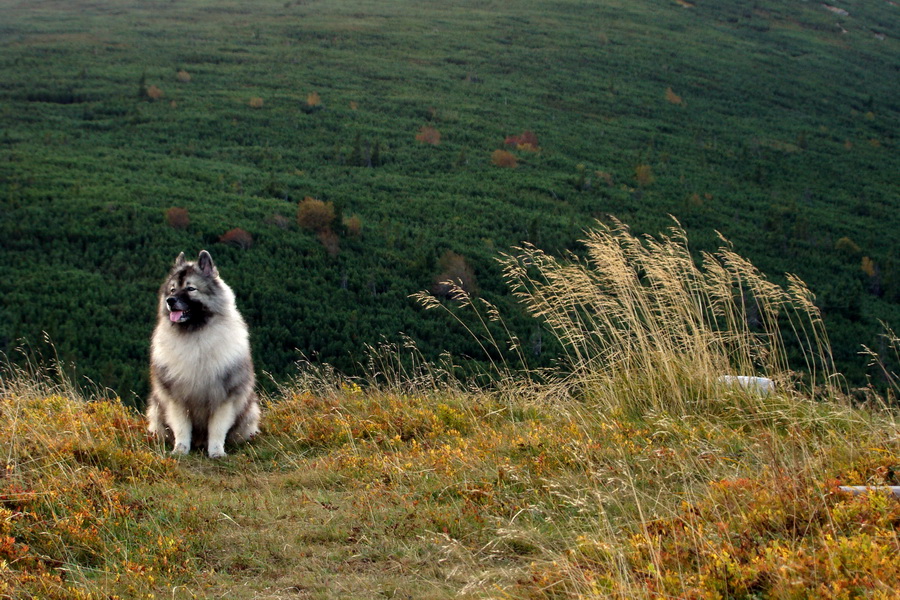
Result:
[{"x": 642, "y": 324}]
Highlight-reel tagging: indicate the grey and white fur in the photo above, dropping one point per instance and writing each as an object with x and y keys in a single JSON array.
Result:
[{"x": 201, "y": 372}]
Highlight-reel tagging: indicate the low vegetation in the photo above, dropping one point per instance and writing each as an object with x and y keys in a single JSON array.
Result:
[{"x": 627, "y": 472}]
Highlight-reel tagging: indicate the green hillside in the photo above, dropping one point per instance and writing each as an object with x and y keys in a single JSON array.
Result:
[{"x": 775, "y": 124}]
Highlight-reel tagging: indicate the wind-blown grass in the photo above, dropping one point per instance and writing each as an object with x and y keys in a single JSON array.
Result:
[{"x": 642, "y": 323}]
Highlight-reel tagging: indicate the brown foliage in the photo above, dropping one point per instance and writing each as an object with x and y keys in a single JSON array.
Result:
[
  {"x": 237, "y": 237},
  {"x": 330, "y": 241},
  {"x": 503, "y": 158},
  {"x": 178, "y": 217},
  {"x": 429, "y": 135},
  {"x": 672, "y": 97},
  {"x": 353, "y": 226},
  {"x": 643, "y": 174},
  {"x": 183, "y": 77},
  {"x": 313, "y": 99},
  {"x": 256, "y": 102},
  {"x": 315, "y": 215},
  {"x": 154, "y": 93},
  {"x": 455, "y": 272}
]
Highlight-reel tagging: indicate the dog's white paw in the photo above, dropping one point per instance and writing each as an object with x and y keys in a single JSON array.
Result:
[
  {"x": 180, "y": 448},
  {"x": 216, "y": 450}
]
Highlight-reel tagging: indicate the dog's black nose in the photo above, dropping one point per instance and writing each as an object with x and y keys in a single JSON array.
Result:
[{"x": 171, "y": 300}]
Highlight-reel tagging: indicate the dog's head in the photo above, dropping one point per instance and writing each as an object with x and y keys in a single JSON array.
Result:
[{"x": 192, "y": 293}]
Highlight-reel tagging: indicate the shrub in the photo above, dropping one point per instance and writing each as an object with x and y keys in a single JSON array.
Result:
[
  {"x": 178, "y": 218},
  {"x": 847, "y": 246},
  {"x": 353, "y": 225},
  {"x": 429, "y": 135},
  {"x": 154, "y": 93},
  {"x": 256, "y": 102},
  {"x": 313, "y": 99},
  {"x": 456, "y": 278},
  {"x": 237, "y": 237},
  {"x": 315, "y": 215},
  {"x": 505, "y": 159},
  {"x": 643, "y": 174},
  {"x": 527, "y": 141},
  {"x": 672, "y": 97},
  {"x": 330, "y": 241},
  {"x": 183, "y": 77}
]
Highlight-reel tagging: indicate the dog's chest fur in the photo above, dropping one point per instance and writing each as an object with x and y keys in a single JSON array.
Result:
[{"x": 195, "y": 367}]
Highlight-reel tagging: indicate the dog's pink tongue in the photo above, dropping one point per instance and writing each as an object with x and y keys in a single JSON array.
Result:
[{"x": 175, "y": 315}]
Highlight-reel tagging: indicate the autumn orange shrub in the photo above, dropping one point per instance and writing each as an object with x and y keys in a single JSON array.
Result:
[
  {"x": 178, "y": 218},
  {"x": 672, "y": 97},
  {"x": 504, "y": 158},
  {"x": 429, "y": 135},
  {"x": 315, "y": 215},
  {"x": 313, "y": 99},
  {"x": 237, "y": 237},
  {"x": 256, "y": 102},
  {"x": 154, "y": 93}
]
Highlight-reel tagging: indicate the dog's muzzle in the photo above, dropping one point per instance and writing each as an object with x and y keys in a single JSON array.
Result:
[{"x": 177, "y": 311}]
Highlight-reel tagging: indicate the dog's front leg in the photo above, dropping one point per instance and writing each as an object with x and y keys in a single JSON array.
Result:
[
  {"x": 180, "y": 422},
  {"x": 220, "y": 422}
]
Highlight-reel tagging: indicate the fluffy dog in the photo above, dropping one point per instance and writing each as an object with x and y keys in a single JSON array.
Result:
[{"x": 201, "y": 372}]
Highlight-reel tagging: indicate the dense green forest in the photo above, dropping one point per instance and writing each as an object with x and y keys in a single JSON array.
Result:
[{"x": 337, "y": 156}]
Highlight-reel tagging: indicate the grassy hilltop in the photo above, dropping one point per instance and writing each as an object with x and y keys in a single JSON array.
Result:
[
  {"x": 336, "y": 157},
  {"x": 634, "y": 473}
]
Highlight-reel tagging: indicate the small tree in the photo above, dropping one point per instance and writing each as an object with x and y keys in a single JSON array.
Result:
[
  {"x": 183, "y": 76},
  {"x": 429, "y": 135},
  {"x": 178, "y": 218},
  {"x": 330, "y": 241},
  {"x": 315, "y": 215},
  {"x": 353, "y": 226},
  {"x": 455, "y": 274},
  {"x": 643, "y": 174},
  {"x": 256, "y": 102},
  {"x": 237, "y": 237},
  {"x": 155, "y": 93},
  {"x": 504, "y": 158}
]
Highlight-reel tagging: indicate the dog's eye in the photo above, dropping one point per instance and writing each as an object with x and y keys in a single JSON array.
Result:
[{"x": 190, "y": 289}]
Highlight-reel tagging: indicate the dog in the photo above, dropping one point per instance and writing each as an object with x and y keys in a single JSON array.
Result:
[{"x": 201, "y": 371}]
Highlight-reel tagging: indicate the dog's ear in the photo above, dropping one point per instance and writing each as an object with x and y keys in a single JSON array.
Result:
[
  {"x": 205, "y": 262},
  {"x": 180, "y": 260}
]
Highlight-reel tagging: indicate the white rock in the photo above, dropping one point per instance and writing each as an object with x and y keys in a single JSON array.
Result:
[{"x": 761, "y": 386}]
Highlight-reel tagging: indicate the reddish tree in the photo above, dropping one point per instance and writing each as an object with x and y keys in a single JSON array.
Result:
[
  {"x": 429, "y": 135},
  {"x": 178, "y": 218},
  {"x": 237, "y": 237}
]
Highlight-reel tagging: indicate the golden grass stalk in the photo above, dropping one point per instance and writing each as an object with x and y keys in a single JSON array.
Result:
[{"x": 640, "y": 319}]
